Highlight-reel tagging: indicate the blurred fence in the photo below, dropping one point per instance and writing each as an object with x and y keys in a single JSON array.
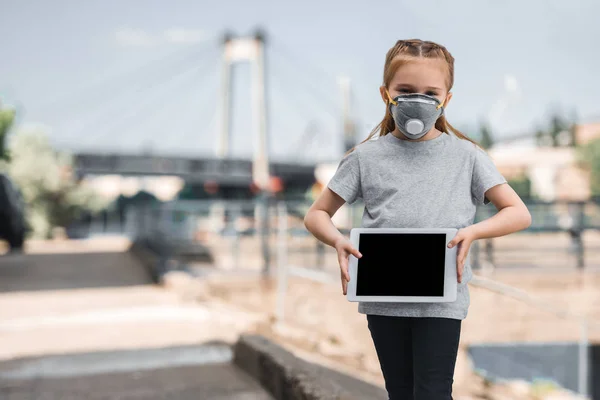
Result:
[
  {"x": 230, "y": 235},
  {"x": 240, "y": 233},
  {"x": 267, "y": 235},
  {"x": 575, "y": 367},
  {"x": 565, "y": 354}
]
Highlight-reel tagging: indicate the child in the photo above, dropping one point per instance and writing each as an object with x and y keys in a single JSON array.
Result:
[{"x": 422, "y": 173}]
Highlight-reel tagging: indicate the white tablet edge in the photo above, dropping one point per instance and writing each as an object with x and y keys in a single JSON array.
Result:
[{"x": 450, "y": 279}]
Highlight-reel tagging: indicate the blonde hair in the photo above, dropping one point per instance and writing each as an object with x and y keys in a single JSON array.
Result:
[{"x": 403, "y": 52}]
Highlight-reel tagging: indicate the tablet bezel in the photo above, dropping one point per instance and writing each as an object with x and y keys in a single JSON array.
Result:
[{"x": 450, "y": 278}]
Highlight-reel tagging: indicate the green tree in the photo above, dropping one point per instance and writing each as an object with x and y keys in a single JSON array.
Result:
[
  {"x": 588, "y": 156},
  {"x": 540, "y": 137},
  {"x": 486, "y": 139},
  {"x": 7, "y": 117},
  {"x": 557, "y": 126},
  {"x": 559, "y": 131},
  {"x": 52, "y": 195},
  {"x": 521, "y": 185},
  {"x": 573, "y": 129}
]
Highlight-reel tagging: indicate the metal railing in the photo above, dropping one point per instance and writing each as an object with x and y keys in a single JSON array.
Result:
[
  {"x": 237, "y": 228},
  {"x": 584, "y": 323},
  {"x": 285, "y": 270},
  {"x": 572, "y": 219},
  {"x": 234, "y": 235}
]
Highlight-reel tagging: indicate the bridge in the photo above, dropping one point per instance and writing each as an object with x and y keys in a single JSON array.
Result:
[
  {"x": 179, "y": 104},
  {"x": 232, "y": 171}
]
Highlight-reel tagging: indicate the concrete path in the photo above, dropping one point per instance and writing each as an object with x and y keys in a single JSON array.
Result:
[
  {"x": 82, "y": 320},
  {"x": 189, "y": 372}
]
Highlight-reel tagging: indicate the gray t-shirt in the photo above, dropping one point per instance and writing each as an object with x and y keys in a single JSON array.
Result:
[{"x": 435, "y": 183}]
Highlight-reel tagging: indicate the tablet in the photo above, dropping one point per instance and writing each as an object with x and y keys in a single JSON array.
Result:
[{"x": 410, "y": 265}]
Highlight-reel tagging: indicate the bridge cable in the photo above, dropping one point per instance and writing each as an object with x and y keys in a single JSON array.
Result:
[
  {"x": 109, "y": 84},
  {"x": 319, "y": 91},
  {"x": 114, "y": 106},
  {"x": 149, "y": 101}
]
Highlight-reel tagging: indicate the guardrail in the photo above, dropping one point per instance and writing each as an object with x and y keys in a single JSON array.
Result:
[
  {"x": 526, "y": 298},
  {"x": 191, "y": 222},
  {"x": 218, "y": 228},
  {"x": 286, "y": 270}
]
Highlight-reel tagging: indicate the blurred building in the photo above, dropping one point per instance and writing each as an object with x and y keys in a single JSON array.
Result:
[
  {"x": 553, "y": 171},
  {"x": 587, "y": 132},
  {"x": 165, "y": 188}
]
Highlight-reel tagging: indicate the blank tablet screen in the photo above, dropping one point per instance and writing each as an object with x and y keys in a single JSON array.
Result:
[{"x": 401, "y": 264}]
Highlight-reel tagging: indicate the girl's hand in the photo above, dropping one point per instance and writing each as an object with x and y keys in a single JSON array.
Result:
[
  {"x": 344, "y": 248},
  {"x": 464, "y": 237}
]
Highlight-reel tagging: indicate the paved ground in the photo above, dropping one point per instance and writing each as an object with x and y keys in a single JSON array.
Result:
[
  {"x": 189, "y": 372},
  {"x": 75, "y": 299},
  {"x": 335, "y": 328},
  {"x": 81, "y": 320}
]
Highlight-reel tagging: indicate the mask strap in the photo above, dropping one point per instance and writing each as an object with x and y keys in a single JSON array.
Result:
[
  {"x": 441, "y": 105},
  {"x": 389, "y": 97},
  {"x": 395, "y": 102}
]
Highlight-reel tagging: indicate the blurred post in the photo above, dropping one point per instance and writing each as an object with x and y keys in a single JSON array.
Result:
[
  {"x": 281, "y": 260},
  {"x": 320, "y": 254},
  {"x": 489, "y": 251},
  {"x": 476, "y": 252},
  {"x": 575, "y": 230},
  {"x": 349, "y": 130},
  {"x": 222, "y": 150},
  {"x": 236, "y": 216},
  {"x": 262, "y": 222},
  {"x": 252, "y": 50},
  {"x": 583, "y": 359},
  {"x": 347, "y": 121},
  {"x": 260, "y": 161},
  {"x": 260, "y": 164}
]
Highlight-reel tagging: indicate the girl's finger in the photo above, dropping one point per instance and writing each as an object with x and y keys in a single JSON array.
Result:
[
  {"x": 460, "y": 265},
  {"x": 463, "y": 246},
  {"x": 342, "y": 259},
  {"x": 344, "y": 268},
  {"x": 459, "y": 258},
  {"x": 462, "y": 256},
  {"x": 456, "y": 239},
  {"x": 354, "y": 252}
]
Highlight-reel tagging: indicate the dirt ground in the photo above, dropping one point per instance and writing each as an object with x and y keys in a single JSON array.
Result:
[
  {"x": 319, "y": 324},
  {"x": 320, "y": 320}
]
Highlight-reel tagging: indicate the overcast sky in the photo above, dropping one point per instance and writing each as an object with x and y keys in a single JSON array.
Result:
[{"x": 135, "y": 75}]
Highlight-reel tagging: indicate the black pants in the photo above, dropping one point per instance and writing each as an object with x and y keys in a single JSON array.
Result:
[{"x": 417, "y": 355}]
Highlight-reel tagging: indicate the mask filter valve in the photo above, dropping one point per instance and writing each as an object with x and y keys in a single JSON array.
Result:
[{"x": 414, "y": 126}]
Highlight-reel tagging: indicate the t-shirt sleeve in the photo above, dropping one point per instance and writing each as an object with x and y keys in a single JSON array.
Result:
[
  {"x": 346, "y": 179},
  {"x": 485, "y": 176}
]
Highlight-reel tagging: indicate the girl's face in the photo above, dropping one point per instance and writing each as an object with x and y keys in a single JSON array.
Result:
[{"x": 420, "y": 75}]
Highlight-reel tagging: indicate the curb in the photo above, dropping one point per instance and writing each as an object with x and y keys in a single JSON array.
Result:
[
  {"x": 158, "y": 256},
  {"x": 284, "y": 375},
  {"x": 288, "y": 377},
  {"x": 149, "y": 258}
]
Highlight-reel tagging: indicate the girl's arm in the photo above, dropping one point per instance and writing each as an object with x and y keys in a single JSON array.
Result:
[
  {"x": 512, "y": 216},
  {"x": 318, "y": 217},
  {"x": 318, "y": 222}
]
